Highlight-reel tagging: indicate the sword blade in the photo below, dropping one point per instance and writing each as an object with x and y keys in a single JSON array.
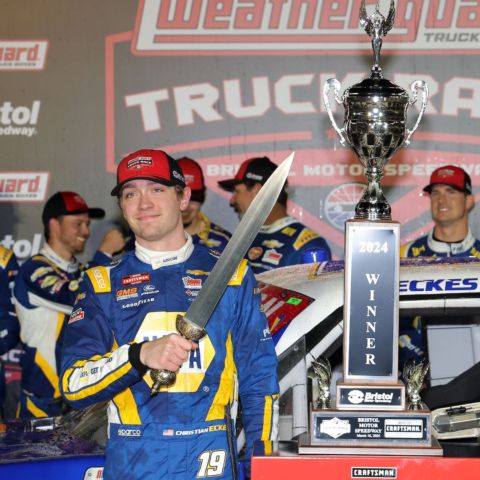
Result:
[{"x": 204, "y": 304}]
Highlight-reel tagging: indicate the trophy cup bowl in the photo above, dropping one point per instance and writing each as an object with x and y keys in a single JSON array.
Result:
[{"x": 375, "y": 120}]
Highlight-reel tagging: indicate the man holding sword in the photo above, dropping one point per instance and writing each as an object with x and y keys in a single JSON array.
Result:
[{"x": 123, "y": 331}]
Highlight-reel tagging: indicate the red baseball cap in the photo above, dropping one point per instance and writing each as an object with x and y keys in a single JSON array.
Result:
[
  {"x": 68, "y": 203},
  {"x": 149, "y": 164},
  {"x": 193, "y": 174},
  {"x": 450, "y": 175},
  {"x": 256, "y": 169}
]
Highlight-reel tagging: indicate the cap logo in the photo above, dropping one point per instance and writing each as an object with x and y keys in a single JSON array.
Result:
[
  {"x": 189, "y": 178},
  {"x": 139, "y": 162},
  {"x": 252, "y": 176},
  {"x": 446, "y": 172},
  {"x": 178, "y": 176}
]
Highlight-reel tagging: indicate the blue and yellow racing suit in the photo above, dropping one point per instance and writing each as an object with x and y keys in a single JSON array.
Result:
[
  {"x": 184, "y": 431},
  {"x": 8, "y": 320},
  {"x": 428, "y": 246},
  {"x": 45, "y": 291},
  {"x": 283, "y": 243},
  {"x": 212, "y": 236}
]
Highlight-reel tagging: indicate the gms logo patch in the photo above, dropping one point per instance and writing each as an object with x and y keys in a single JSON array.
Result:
[{"x": 126, "y": 293}]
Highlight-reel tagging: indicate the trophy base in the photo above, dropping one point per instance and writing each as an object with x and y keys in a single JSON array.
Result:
[
  {"x": 305, "y": 447},
  {"x": 371, "y": 428}
]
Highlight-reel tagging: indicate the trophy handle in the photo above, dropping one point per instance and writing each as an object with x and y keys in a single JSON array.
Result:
[
  {"x": 415, "y": 87},
  {"x": 333, "y": 83}
]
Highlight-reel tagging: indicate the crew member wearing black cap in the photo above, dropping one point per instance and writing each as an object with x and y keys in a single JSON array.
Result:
[
  {"x": 45, "y": 291},
  {"x": 282, "y": 240},
  {"x": 451, "y": 200},
  {"x": 195, "y": 222}
]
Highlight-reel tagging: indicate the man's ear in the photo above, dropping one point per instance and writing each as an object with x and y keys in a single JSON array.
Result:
[
  {"x": 470, "y": 202},
  {"x": 257, "y": 187},
  {"x": 54, "y": 227},
  {"x": 187, "y": 193}
]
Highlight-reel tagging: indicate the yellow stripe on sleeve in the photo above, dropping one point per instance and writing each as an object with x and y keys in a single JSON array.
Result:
[
  {"x": 239, "y": 273},
  {"x": 5, "y": 255},
  {"x": 98, "y": 387},
  {"x": 100, "y": 278}
]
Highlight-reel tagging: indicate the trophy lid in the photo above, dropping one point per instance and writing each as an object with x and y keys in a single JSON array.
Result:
[{"x": 376, "y": 86}]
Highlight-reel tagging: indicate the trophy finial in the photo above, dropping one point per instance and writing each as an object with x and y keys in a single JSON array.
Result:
[{"x": 376, "y": 25}]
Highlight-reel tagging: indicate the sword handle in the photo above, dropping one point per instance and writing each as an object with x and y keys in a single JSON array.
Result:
[{"x": 188, "y": 330}]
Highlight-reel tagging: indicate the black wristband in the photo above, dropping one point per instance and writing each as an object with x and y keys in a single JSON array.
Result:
[{"x": 134, "y": 358}]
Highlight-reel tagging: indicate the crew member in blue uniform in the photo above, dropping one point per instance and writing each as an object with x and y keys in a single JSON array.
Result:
[
  {"x": 8, "y": 320},
  {"x": 123, "y": 325},
  {"x": 282, "y": 240},
  {"x": 195, "y": 222},
  {"x": 451, "y": 200},
  {"x": 45, "y": 290}
]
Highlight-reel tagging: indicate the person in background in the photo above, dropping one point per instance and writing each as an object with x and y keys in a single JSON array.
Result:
[
  {"x": 8, "y": 320},
  {"x": 282, "y": 240},
  {"x": 195, "y": 222},
  {"x": 45, "y": 290},
  {"x": 123, "y": 325},
  {"x": 451, "y": 200}
]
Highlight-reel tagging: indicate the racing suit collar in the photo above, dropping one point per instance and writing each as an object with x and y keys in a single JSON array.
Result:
[
  {"x": 67, "y": 266},
  {"x": 455, "y": 248},
  {"x": 162, "y": 259},
  {"x": 277, "y": 225}
]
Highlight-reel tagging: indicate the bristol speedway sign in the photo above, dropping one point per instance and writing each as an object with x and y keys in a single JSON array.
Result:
[{"x": 224, "y": 80}]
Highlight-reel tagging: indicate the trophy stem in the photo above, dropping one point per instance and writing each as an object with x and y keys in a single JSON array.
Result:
[{"x": 373, "y": 205}]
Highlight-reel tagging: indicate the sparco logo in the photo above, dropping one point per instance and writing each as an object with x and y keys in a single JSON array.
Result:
[
  {"x": 129, "y": 432},
  {"x": 19, "y": 120},
  {"x": 23, "y": 54},
  {"x": 374, "y": 472},
  {"x": 23, "y": 186},
  {"x": 289, "y": 25}
]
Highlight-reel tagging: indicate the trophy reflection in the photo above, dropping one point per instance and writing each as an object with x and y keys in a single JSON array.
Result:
[{"x": 375, "y": 117}]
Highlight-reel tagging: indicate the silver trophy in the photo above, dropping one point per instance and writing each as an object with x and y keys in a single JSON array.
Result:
[
  {"x": 322, "y": 373},
  {"x": 375, "y": 117},
  {"x": 414, "y": 375}
]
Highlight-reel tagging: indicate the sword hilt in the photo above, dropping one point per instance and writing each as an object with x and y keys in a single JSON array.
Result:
[{"x": 166, "y": 378}]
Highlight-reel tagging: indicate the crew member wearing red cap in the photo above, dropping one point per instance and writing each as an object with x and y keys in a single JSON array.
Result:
[
  {"x": 451, "y": 199},
  {"x": 124, "y": 324},
  {"x": 45, "y": 291},
  {"x": 282, "y": 240},
  {"x": 195, "y": 222}
]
